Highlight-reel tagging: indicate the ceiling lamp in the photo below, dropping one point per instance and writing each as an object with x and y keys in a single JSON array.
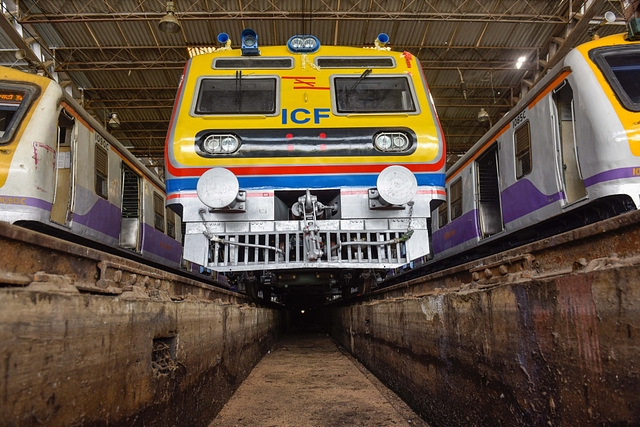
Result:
[
  {"x": 609, "y": 17},
  {"x": 114, "y": 121},
  {"x": 169, "y": 23},
  {"x": 483, "y": 116}
]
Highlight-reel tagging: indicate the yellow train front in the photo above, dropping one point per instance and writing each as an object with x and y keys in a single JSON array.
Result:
[{"x": 304, "y": 164}]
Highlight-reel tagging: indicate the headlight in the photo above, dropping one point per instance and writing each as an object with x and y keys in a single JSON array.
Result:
[
  {"x": 309, "y": 43},
  {"x": 220, "y": 144},
  {"x": 400, "y": 142},
  {"x": 303, "y": 44},
  {"x": 211, "y": 144},
  {"x": 296, "y": 43},
  {"x": 383, "y": 142},
  {"x": 391, "y": 141},
  {"x": 229, "y": 144},
  {"x": 249, "y": 42}
]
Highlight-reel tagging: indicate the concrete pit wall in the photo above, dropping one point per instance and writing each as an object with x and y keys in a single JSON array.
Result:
[
  {"x": 550, "y": 352},
  {"x": 80, "y": 359}
]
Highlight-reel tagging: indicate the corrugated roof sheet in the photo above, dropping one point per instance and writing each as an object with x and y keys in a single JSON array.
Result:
[{"x": 115, "y": 50}]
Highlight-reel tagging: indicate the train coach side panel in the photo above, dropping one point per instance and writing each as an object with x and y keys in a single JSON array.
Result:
[{"x": 27, "y": 164}]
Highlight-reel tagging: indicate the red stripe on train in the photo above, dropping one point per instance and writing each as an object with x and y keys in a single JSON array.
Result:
[{"x": 306, "y": 169}]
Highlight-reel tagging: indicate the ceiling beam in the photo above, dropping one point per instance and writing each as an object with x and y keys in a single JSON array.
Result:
[
  {"x": 318, "y": 15},
  {"x": 578, "y": 31}
]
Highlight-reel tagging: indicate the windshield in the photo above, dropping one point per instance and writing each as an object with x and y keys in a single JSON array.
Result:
[
  {"x": 240, "y": 95},
  {"x": 621, "y": 67},
  {"x": 366, "y": 94},
  {"x": 13, "y": 103}
]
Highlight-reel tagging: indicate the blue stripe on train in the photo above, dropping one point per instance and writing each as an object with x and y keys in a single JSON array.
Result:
[{"x": 304, "y": 181}]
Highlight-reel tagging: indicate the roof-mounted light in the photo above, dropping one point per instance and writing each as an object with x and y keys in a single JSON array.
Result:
[
  {"x": 303, "y": 44},
  {"x": 223, "y": 38},
  {"x": 249, "y": 42},
  {"x": 381, "y": 41}
]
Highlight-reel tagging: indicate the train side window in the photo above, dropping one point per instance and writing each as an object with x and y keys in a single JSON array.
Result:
[
  {"x": 158, "y": 208},
  {"x": 443, "y": 213},
  {"x": 523, "y": 149},
  {"x": 102, "y": 172},
  {"x": 456, "y": 199},
  {"x": 65, "y": 128},
  {"x": 171, "y": 224}
]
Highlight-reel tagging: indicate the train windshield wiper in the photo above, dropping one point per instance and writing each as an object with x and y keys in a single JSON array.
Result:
[
  {"x": 238, "y": 89},
  {"x": 362, "y": 76}
]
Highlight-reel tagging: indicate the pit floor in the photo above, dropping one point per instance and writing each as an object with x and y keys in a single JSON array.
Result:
[{"x": 306, "y": 380}]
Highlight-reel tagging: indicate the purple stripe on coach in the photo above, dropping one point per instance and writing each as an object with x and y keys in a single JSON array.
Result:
[
  {"x": 25, "y": 201},
  {"x": 158, "y": 243},
  {"x": 103, "y": 217},
  {"x": 523, "y": 197},
  {"x": 456, "y": 232},
  {"x": 610, "y": 175}
]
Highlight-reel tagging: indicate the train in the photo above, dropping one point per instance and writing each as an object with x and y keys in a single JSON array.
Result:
[
  {"x": 566, "y": 155},
  {"x": 63, "y": 173},
  {"x": 303, "y": 167}
]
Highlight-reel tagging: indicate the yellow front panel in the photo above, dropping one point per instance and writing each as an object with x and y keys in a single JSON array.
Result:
[{"x": 305, "y": 96}]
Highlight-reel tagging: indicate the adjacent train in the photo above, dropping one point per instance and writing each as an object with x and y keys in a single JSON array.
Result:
[
  {"x": 304, "y": 164},
  {"x": 62, "y": 172},
  {"x": 567, "y": 154}
]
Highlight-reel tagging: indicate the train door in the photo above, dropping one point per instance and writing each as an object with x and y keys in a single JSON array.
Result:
[
  {"x": 488, "y": 190},
  {"x": 566, "y": 145},
  {"x": 64, "y": 175},
  {"x": 131, "y": 212}
]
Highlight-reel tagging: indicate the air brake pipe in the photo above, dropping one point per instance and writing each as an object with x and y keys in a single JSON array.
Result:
[
  {"x": 406, "y": 236},
  {"x": 209, "y": 235}
]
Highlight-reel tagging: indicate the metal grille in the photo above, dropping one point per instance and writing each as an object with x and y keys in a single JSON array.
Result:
[
  {"x": 244, "y": 63},
  {"x": 102, "y": 172},
  {"x": 293, "y": 250},
  {"x": 355, "y": 62},
  {"x": 158, "y": 208},
  {"x": 489, "y": 190},
  {"x": 523, "y": 150},
  {"x": 130, "y": 194}
]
